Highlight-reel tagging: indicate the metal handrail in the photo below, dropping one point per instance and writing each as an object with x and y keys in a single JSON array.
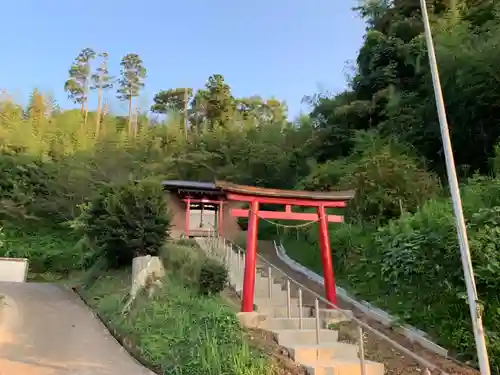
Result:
[{"x": 421, "y": 361}]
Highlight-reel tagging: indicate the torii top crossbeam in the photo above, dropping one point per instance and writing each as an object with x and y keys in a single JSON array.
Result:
[
  {"x": 277, "y": 196},
  {"x": 256, "y": 196}
]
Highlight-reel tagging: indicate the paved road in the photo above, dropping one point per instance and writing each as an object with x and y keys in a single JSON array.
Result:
[{"x": 46, "y": 329}]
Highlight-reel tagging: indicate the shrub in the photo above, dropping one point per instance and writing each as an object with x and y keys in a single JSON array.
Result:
[
  {"x": 421, "y": 258},
  {"x": 212, "y": 278},
  {"x": 126, "y": 221},
  {"x": 388, "y": 181},
  {"x": 24, "y": 185},
  {"x": 48, "y": 249},
  {"x": 183, "y": 261}
]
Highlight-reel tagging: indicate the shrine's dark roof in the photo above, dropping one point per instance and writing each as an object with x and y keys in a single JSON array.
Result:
[
  {"x": 179, "y": 184},
  {"x": 278, "y": 193},
  {"x": 223, "y": 187},
  {"x": 193, "y": 188}
]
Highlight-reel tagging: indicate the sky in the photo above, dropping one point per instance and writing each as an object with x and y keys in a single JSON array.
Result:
[{"x": 272, "y": 48}]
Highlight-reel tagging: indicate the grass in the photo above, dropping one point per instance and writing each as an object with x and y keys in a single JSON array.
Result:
[
  {"x": 51, "y": 252},
  {"x": 178, "y": 331}
]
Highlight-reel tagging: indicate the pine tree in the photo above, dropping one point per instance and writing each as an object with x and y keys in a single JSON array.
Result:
[
  {"x": 77, "y": 85},
  {"x": 131, "y": 82},
  {"x": 101, "y": 81}
]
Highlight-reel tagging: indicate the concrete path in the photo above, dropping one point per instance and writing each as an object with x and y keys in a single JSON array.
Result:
[{"x": 46, "y": 329}]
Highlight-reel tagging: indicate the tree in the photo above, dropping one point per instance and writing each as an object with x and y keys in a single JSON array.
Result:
[
  {"x": 131, "y": 82},
  {"x": 261, "y": 111},
  {"x": 101, "y": 81},
  {"x": 214, "y": 104},
  {"x": 9, "y": 110},
  {"x": 126, "y": 220},
  {"x": 77, "y": 85},
  {"x": 391, "y": 87},
  {"x": 173, "y": 100},
  {"x": 37, "y": 107}
]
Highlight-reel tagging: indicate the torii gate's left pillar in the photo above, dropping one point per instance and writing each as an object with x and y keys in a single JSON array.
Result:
[{"x": 250, "y": 259}]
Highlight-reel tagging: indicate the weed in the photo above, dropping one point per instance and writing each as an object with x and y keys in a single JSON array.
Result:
[
  {"x": 179, "y": 331},
  {"x": 213, "y": 277},
  {"x": 51, "y": 252}
]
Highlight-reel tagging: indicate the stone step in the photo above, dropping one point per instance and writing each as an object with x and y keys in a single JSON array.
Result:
[
  {"x": 260, "y": 290},
  {"x": 236, "y": 284},
  {"x": 233, "y": 263},
  {"x": 342, "y": 366},
  {"x": 290, "y": 323},
  {"x": 282, "y": 312},
  {"x": 264, "y": 282},
  {"x": 263, "y": 291},
  {"x": 322, "y": 352},
  {"x": 334, "y": 316},
  {"x": 287, "y": 337},
  {"x": 233, "y": 279},
  {"x": 276, "y": 300},
  {"x": 234, "y": 268}
]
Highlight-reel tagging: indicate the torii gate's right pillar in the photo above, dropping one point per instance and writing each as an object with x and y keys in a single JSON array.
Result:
[{"x": 326, "y": 257}]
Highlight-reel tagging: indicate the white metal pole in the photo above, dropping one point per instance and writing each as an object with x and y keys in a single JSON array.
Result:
[{"x": 477, "y": 322}]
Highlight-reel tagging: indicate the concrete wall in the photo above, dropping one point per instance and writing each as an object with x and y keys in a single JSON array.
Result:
[{"x": 13, "y": 270}]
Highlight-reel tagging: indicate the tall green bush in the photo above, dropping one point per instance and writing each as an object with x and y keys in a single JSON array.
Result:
[
  {"x": 421, "y": 267},
  {"x": 213, "y": 277},
  {"x": 388, "y": 181},
  {"x": 127, "y": 220},
  {"x": 24, "y": 186}
]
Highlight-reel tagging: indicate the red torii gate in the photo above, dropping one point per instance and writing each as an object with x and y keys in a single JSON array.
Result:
[{"x": 257, "y": 196}]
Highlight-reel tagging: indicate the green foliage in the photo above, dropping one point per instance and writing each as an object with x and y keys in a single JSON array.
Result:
[
  {"x": 183, "y": 261},
  {"x": 214, "y": 105},
  {"x": 172, "y": 100},
  {"x": 179, "y": 331},
  {"x": 77, "y": 85},
  {"x": 131, "y": 82},
  {"x": 24, "y": 186},
  {"x": 213, "y": 277},
  {"x": 388, "y": 182},
  {"x": 132, "y": 77},
  {"x": 101, "y": 79},
  {"x": 126, "y": 221},
  {"x": 49, "y": 250},
  {"x": 423, "y": 251},
  {"x": 391, "y": 87}
]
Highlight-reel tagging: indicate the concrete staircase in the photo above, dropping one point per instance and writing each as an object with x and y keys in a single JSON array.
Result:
[{"x": 303, "y": 332}]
